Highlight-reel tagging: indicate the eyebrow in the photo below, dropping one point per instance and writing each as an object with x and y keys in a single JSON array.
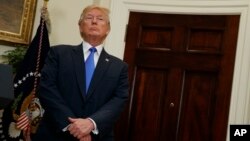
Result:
[{"x": 94, "y": 15}]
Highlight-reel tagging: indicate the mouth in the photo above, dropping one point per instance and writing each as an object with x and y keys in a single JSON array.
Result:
[{"x": 93, "y": 28}]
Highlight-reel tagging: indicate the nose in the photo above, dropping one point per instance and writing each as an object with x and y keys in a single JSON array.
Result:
[{"x": 94, "y": 20}]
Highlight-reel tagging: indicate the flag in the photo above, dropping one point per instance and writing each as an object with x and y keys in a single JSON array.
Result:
[{"x": 23, "y": 114}]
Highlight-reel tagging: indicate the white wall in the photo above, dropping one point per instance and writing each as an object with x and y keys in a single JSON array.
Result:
[{"x": 64, "y": 17}]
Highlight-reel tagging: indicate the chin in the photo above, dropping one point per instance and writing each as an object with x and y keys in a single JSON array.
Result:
[{"x": 94, "y": 35}]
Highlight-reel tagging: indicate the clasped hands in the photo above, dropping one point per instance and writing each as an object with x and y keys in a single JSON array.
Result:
[{"x": 81, "y": 128}]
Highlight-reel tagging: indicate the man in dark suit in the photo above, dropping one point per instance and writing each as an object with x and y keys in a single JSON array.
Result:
[{"x": 74, "y": 110}]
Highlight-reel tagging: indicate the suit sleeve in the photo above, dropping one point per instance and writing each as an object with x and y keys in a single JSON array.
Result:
[{"x": 55, "y": 107}]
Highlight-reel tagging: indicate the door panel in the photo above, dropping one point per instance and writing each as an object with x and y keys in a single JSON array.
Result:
[
  {"x": 151, "y": 87},
  {"x": 180, "y": 71},
  {"x": 197, "y": 106}
]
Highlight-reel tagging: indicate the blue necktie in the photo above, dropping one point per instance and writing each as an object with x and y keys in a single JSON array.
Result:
[{"x": 90, "y": 66}]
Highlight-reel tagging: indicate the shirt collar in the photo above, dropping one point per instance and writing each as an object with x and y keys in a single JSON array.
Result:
[{"x": 86, "y": 46}]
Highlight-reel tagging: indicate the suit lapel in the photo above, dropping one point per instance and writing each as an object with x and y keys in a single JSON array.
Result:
[
  {"x": 79, "y": 68},
  {"x": 100, "y": 69}
]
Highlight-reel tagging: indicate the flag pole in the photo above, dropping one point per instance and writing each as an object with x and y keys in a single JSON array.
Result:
[{"x": 45, "y": 3}]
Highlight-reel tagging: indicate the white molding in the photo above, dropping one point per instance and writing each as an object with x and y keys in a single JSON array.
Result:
[{"x": 240, "y": 96}]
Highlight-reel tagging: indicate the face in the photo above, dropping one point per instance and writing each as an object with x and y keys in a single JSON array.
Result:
[{"x": 94, "y": 25}]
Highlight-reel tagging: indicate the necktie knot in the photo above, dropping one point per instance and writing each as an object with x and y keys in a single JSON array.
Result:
[{"x": 92, "y": 50}]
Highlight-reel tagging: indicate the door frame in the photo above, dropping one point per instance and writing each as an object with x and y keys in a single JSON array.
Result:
[{"x": 239, "y": 112}]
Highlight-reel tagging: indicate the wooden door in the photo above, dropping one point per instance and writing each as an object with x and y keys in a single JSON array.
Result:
[{"x": 181, "y": 70}]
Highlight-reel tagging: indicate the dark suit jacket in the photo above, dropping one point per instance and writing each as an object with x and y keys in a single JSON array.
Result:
[{"x": 62, "y": 93}]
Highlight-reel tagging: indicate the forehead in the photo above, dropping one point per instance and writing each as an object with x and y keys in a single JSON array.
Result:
[{"x": 95, "y": 11}]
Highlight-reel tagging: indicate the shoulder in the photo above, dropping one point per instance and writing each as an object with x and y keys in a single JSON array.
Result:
[
  {"x": 116, "y": 60},
  {"x": 63, "y": 48}
]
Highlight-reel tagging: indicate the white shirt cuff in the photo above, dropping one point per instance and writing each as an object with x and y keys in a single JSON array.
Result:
[
  {"x": 95, "y": 131},
  {"x": 65, "y": 128}
]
